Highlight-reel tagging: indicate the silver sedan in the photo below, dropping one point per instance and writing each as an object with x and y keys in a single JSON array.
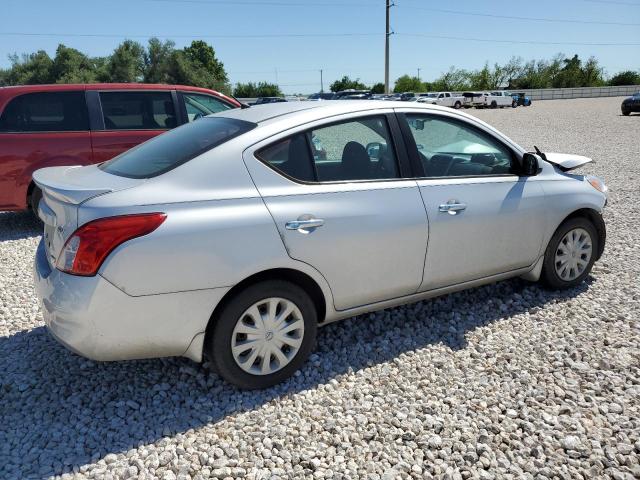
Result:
[{"x": 236, "y": 236}]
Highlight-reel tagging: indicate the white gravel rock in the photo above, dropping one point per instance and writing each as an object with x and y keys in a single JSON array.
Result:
[{"x": 504, "y": 381}]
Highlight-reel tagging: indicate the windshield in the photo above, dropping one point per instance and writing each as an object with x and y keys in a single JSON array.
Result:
[{"x": 169, "y": 150}]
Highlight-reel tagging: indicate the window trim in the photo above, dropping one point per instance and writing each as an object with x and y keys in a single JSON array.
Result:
[
  {"x": 412, "y": 148},
  {"x": 39, "y": 132},
  {"x": 135, "y": 90},
  {"x": 402, "y": 160}
]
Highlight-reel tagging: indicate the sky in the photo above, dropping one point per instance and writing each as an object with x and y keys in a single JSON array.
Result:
[{"x": 289, "y": 41}]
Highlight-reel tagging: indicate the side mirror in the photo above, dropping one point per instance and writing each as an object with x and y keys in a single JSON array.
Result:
[{"x": 530, "y": 165}]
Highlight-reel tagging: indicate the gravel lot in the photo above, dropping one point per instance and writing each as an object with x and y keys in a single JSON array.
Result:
[{"x": 503, "y": 381}]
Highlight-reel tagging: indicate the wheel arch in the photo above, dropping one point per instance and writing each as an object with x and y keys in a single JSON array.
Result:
[
  {"x": 303, "y": 280},
  {"x": 595, "y": 218}
]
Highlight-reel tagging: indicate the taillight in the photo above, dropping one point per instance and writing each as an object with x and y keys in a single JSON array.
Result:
[{"x": 89, "y": 245}]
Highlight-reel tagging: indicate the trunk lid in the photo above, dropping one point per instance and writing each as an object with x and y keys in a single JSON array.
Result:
[{"x": 64, "y": 189}]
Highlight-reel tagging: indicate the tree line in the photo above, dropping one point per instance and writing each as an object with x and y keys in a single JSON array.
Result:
[
  {"x": 197, "y": 64},
  {"x": 158, "y": 62},
  {"x": 558, "y": 72}
]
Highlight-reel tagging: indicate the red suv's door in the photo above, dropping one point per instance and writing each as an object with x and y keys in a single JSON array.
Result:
[
  {"x": 40, "y": 129},
  {"x": 129, "y": 118}
]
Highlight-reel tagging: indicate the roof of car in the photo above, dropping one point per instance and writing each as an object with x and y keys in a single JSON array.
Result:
[
  {"x": 20, "y": 89},
  {"x": 268, "y": 111}
]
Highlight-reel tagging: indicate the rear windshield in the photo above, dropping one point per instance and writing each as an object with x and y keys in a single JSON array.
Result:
[{"x": 175, "y": 147}]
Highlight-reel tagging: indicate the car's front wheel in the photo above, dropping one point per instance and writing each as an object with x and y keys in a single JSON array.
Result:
[
  {"x": 263, "y": 334},
  {"x": 570, "y": 254}
]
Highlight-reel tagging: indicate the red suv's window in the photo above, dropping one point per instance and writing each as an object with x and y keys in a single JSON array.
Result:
[
  {"x": 46, "y": 112},
  {"x": 138, "y": 110}
]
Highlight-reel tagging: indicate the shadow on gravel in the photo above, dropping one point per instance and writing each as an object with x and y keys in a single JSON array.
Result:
[
  {"x": 19, "y": 225},
  {"x": 58, "y": 410}
]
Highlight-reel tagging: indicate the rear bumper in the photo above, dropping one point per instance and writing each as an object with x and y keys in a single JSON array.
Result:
[{"x": 95, "y": 319}]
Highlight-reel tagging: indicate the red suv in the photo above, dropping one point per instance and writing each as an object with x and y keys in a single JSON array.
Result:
[{"x": 51, "y": 125}]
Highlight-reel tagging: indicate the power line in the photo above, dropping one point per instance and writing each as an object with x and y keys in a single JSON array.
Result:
[
  {"x": 614, "y": 2},
  {"x": 266, "y": 4},
  {"x": 120, "y": 35},
  {"x": 525, "y": 42},
  {"x": 512, "y": 17},
  {"x": 312, "y": 35}
]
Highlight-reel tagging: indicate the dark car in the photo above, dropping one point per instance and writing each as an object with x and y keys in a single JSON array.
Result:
[
  {"x": 61, "y": 125},
  {"x": 263, "y": 100},
  {"x": 321, "y": 96},
  {"x": 631, "y": 104},
  {"x": 353, "y": 94},
  {"x": 521, "y": 99}
]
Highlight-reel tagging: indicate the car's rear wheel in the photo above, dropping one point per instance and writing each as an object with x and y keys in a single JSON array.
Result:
[
  {"x": 626, "y": 112},
  {"x": 263, "y": 334},
  {"x": 494, "y": 104},
  {"x": 570, "y": 254}
]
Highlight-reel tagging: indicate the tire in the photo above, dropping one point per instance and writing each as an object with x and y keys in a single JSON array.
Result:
[
  {"x": 457, "y": 105},
  {"x": 626, "y": 113},
  {"x": 514, "y": 104},
  {"x": 494, "y": 104},
  {"x": 34, "y": 200},
  {"x": 235, "y": 313},
  {"x": 550, "y": 275}
]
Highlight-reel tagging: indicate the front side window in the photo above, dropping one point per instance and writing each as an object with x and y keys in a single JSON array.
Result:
[
  {"x": 449, "y": 148},
  {"x": 138, "y": 110},
  {"x": 200, "y": 105},
  {"x": 355, "y": 150},
  {"x": 171, "y": 149},
  {"x": 46, "y": 112}
]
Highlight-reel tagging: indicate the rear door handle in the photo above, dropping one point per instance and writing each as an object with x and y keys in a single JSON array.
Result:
[
  {"x": 304, "y": 225},
  {"x": 452, "y": 208}
]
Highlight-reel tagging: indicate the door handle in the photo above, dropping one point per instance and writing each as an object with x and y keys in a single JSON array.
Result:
[
  {"x": 452, "y": 208},
  {"x": 305, "y": 225}
]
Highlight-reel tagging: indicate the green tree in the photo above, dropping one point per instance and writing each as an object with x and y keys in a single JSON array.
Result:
[
  {"x": 126, "y": 63},
  {"x": 628, "y": 77},
  {"x": 345, "y": 83},
  {"x": 455, "y": 80},
  {"x": 197, "y": 65},
  {"x": 407, "y": 83},
  {"x": 32, "y": 69},
  {"x": 73, "y": 66},
  {"x": 378, "y": 88},
  {"x": 157, "y": 59},
  {"x": 253, "y": 90}
]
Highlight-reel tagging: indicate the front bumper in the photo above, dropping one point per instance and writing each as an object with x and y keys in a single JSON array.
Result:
[{"x": 97, "y": 320}]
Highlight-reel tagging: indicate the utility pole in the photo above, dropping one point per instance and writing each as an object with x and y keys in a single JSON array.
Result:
[
  {"x": 419, "y": 74},
  {"x": 386, "y": 51},
  {"x": 321, "y": 84}
]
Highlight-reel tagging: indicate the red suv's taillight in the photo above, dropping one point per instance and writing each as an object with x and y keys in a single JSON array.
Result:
[{"x": 86, "y": 249}]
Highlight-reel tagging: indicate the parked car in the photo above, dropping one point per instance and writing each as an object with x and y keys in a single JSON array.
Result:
[
  {"x": 352, "y": 94},
  {"x": 473, "y": 99},
  {"x": 263, "y": 100},
  {"x": 321, "y": 96},
  {"x": 444, "y": 99},
  {"x": 234, "y": 238},
  {"x": 631, "y": 104},
  {"x": 49, "y": 125},
  {"x": 521, "y": 99},
  {"x": 499, "y": 98}
]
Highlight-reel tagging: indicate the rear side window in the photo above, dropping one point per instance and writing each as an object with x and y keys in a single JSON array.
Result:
[
  {"x": 138, "y": 110},
  {"x": 46, "y": 112},
  {"x": 169, "y": 150},
  {"x": 200, "y": 105},
  {"x": 359, "y": 149}
]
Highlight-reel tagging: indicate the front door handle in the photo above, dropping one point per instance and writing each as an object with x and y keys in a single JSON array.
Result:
[
  {"x": 452, "y": 207},
  {"x": 305, "y": 225}
]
